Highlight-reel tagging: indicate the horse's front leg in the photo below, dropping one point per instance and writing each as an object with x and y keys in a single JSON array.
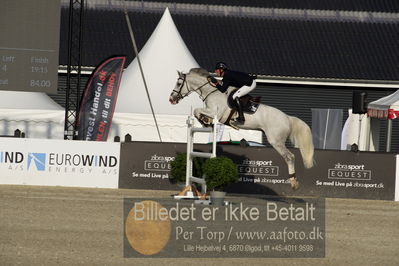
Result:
[{"x": 205, "y": 116}]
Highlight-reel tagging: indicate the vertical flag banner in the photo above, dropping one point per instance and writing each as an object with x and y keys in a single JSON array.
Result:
[{"x": 99, "y": 100}]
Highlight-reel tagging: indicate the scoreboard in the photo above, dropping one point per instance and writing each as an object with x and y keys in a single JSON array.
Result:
[{"x": 29, "y": 45}]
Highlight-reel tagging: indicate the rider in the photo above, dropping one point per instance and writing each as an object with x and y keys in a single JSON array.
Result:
[{"x": 241, "y": 80}]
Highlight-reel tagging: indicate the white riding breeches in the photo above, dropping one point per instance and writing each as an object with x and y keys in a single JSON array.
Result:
[{"x": 244, "y": 90}]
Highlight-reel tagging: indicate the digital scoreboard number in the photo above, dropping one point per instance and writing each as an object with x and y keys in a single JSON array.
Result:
[{"x": 29, "y": 45}]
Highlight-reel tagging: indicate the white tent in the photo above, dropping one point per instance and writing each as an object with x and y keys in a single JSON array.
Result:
[
  {"x": 361, "y": 130},
  {"x": 385, "y": 108},
  {"x": 365, "y": 130},
  {"x": 34, "y": 113},
  {"x": 164, "y": 53}
]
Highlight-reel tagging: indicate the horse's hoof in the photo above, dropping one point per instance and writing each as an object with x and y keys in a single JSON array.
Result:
[
  {"x": 206, "y": 119},
  {"x": 294, "y": 183}
]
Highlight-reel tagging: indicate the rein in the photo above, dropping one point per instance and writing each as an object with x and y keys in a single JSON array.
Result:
[{"x": 181, "y": 96}]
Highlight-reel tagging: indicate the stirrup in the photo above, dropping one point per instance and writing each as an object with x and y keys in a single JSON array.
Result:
[{"x": 240, "y": 120}]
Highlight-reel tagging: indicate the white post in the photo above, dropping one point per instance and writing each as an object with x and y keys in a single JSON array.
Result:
[
  {"x": 190, "y": 123},
  {"x": 389, "y": 135},
  {"x": 215, "y": 124}
]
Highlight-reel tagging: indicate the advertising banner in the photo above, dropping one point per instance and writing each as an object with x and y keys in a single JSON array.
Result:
[
  {"x": 337, "y": 174},
  {"x": 362, "y": 175},
  {"x": 261, "y": 170},
  {"x": 99, "y": 100},
  {"x": 146, "y": 165},
  {"x": 340, "y": 174},
  {"x": 59, "y": 163}
]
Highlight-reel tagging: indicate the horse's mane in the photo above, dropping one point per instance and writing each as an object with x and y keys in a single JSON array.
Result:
[{"x": 200, "y": 71}]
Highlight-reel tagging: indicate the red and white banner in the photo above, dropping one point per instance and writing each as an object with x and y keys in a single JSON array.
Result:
[{"x": 99, "y": 100}]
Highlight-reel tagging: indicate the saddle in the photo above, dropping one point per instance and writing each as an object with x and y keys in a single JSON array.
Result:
[{"x": 249, "y": 104}]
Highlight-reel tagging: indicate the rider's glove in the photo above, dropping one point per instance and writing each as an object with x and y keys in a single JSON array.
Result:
[{"x": 212, "y": 80}]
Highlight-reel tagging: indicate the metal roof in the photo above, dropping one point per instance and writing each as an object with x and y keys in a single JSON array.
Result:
[{"x": 301, "y": 41}]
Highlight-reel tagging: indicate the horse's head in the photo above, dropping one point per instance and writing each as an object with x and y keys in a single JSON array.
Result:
[
  {"x": 196, "y": 80},
  {"x": 181, "y": 89}
]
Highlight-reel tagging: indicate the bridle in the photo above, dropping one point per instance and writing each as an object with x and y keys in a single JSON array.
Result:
[{"x": 180, "y": 95}]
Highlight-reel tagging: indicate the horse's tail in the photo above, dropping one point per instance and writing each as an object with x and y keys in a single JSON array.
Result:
[{"x": 301, "y": 137}]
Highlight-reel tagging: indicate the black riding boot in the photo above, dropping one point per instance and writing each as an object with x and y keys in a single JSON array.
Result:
[{"x": 240, "y": 119}]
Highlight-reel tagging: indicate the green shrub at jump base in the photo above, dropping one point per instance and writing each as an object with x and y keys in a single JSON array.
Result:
[
  {"x": 220, "y": 172},
  {"x": 178, "y": 168}
]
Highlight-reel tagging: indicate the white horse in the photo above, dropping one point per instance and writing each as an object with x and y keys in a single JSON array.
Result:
[{"x": 276, "y": 125}]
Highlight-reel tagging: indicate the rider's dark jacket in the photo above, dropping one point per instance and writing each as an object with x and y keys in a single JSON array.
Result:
[{"x": 235, "y": 79}]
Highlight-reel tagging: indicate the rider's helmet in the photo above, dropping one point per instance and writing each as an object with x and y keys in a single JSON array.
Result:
[{"x": 221, "y": 65}]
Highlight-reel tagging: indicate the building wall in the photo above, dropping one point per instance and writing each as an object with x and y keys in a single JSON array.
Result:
[{"x": 299, "y": 101}]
